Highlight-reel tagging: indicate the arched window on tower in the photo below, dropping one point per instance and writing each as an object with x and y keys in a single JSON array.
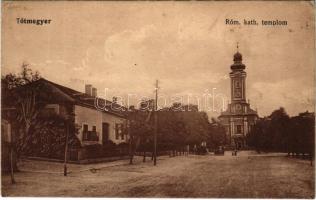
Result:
[{"x": 237, "y": 84}]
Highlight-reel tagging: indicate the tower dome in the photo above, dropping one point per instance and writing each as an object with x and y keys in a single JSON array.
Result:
[
  {"x": 238, "y": 65},
  {"x": 237, "y": 57}
]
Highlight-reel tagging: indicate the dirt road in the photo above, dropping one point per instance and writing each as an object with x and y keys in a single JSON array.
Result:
[{"x": 246, "y": 176}]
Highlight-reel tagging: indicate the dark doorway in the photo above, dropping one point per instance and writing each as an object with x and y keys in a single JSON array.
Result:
[
  {"x": 239, "y": 143},
  {"x": 105, "y": 133}
]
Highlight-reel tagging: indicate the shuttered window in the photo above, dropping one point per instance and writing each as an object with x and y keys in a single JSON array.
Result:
[
  {"x": 117, "y": 134},
  {"x": 85, "y": 132}
]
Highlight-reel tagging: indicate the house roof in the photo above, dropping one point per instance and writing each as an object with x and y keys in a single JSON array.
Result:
[{"x": 65, "y": 94}]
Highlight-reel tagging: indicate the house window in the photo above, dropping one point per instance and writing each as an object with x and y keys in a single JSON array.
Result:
[
  {"x": 89, "y": 135},
  {"x": 116, "y": 131},
  {"x": 93, "y": 135},
  {"x": 238, "y": 129},
  {"x": 250, "y": 128},
  {"x": 50, "y": 109},
  {"x": 121, "y": 132},
  {"x": 85, "y": 132}
]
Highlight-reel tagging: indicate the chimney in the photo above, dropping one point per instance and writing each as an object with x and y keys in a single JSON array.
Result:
[
  {"x": 94, "y": 92},
  {"x": 88, "y": 89}
]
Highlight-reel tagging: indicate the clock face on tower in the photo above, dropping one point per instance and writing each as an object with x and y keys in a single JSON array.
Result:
[{"x": 238, "y": 107}]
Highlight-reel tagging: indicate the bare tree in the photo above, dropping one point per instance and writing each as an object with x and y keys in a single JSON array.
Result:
[{"x": 24, "y": 108}]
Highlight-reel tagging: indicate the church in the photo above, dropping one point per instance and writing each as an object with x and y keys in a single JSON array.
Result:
[{"x": 239, "y": 118}]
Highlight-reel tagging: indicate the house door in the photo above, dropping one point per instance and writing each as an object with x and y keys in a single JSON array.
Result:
[
  {"x": 105, "y": 133},
  {"x": 238, "y": 143}
]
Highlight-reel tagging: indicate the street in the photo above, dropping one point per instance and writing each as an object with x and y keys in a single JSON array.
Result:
[{"x": 248, "y": 175}]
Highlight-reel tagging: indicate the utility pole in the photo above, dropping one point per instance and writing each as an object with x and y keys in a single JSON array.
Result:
[
  {"x": 156, "y": 123},
  {"x": 130, "y": 137}
]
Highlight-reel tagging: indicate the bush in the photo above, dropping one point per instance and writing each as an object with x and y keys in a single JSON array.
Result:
[
  {"x": 109, "y": 146},
  {"x": 46, "y": 138},
  {"x": 123, "y": 148},
  {"x": 108, "y": 149},
  {"x": 94, "y": 151}
]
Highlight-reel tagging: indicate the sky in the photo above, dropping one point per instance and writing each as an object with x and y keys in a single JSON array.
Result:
[{"x": 121, "y": 48}]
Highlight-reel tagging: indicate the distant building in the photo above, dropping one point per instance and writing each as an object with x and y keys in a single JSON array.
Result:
[{"x": 239, "y": 118}]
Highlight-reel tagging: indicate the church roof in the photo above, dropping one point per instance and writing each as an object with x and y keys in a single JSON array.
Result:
[{"x": 229, "y": 113}]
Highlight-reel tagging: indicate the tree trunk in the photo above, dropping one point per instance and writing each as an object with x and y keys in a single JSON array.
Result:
[
  {"x": 130, "y": 151},
  {"x": 144, "y": 158},
  {"x": 66, "y": 149},
  {"x": 131, "y": 159},
  {"x": 11, "y": 164},
  {"x": 131, "y": 155}
]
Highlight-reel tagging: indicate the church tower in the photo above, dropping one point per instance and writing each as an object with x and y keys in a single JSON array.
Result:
[
  {"x": 239, "y": 118},
  {"x": 238, "y": 79}
]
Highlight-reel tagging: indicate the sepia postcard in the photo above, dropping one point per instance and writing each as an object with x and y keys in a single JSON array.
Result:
[{"x": 158, "y": 99}]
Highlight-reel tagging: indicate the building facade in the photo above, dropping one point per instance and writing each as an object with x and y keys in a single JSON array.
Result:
[
  {"x": 239, "y": 118},
  {"x": 98, "y": 123}
]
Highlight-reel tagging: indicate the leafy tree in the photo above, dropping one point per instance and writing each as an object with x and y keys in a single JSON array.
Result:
[
  {"x": 279, "y": 129},
  {"x": 217, "y": 135},
  {"x": 181, "y": 127},
  {"x": 279, "y": 132},
  {"x": 26, "y": 76},
  {"x": 259, "y": 135},
  {"x": 138, "y": 129},
  {"x": 302, "y": 134},
  {"x": 198, "y": 127}
]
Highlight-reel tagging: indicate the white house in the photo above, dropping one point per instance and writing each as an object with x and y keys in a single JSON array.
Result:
[{"x": 94, "y": 125}]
